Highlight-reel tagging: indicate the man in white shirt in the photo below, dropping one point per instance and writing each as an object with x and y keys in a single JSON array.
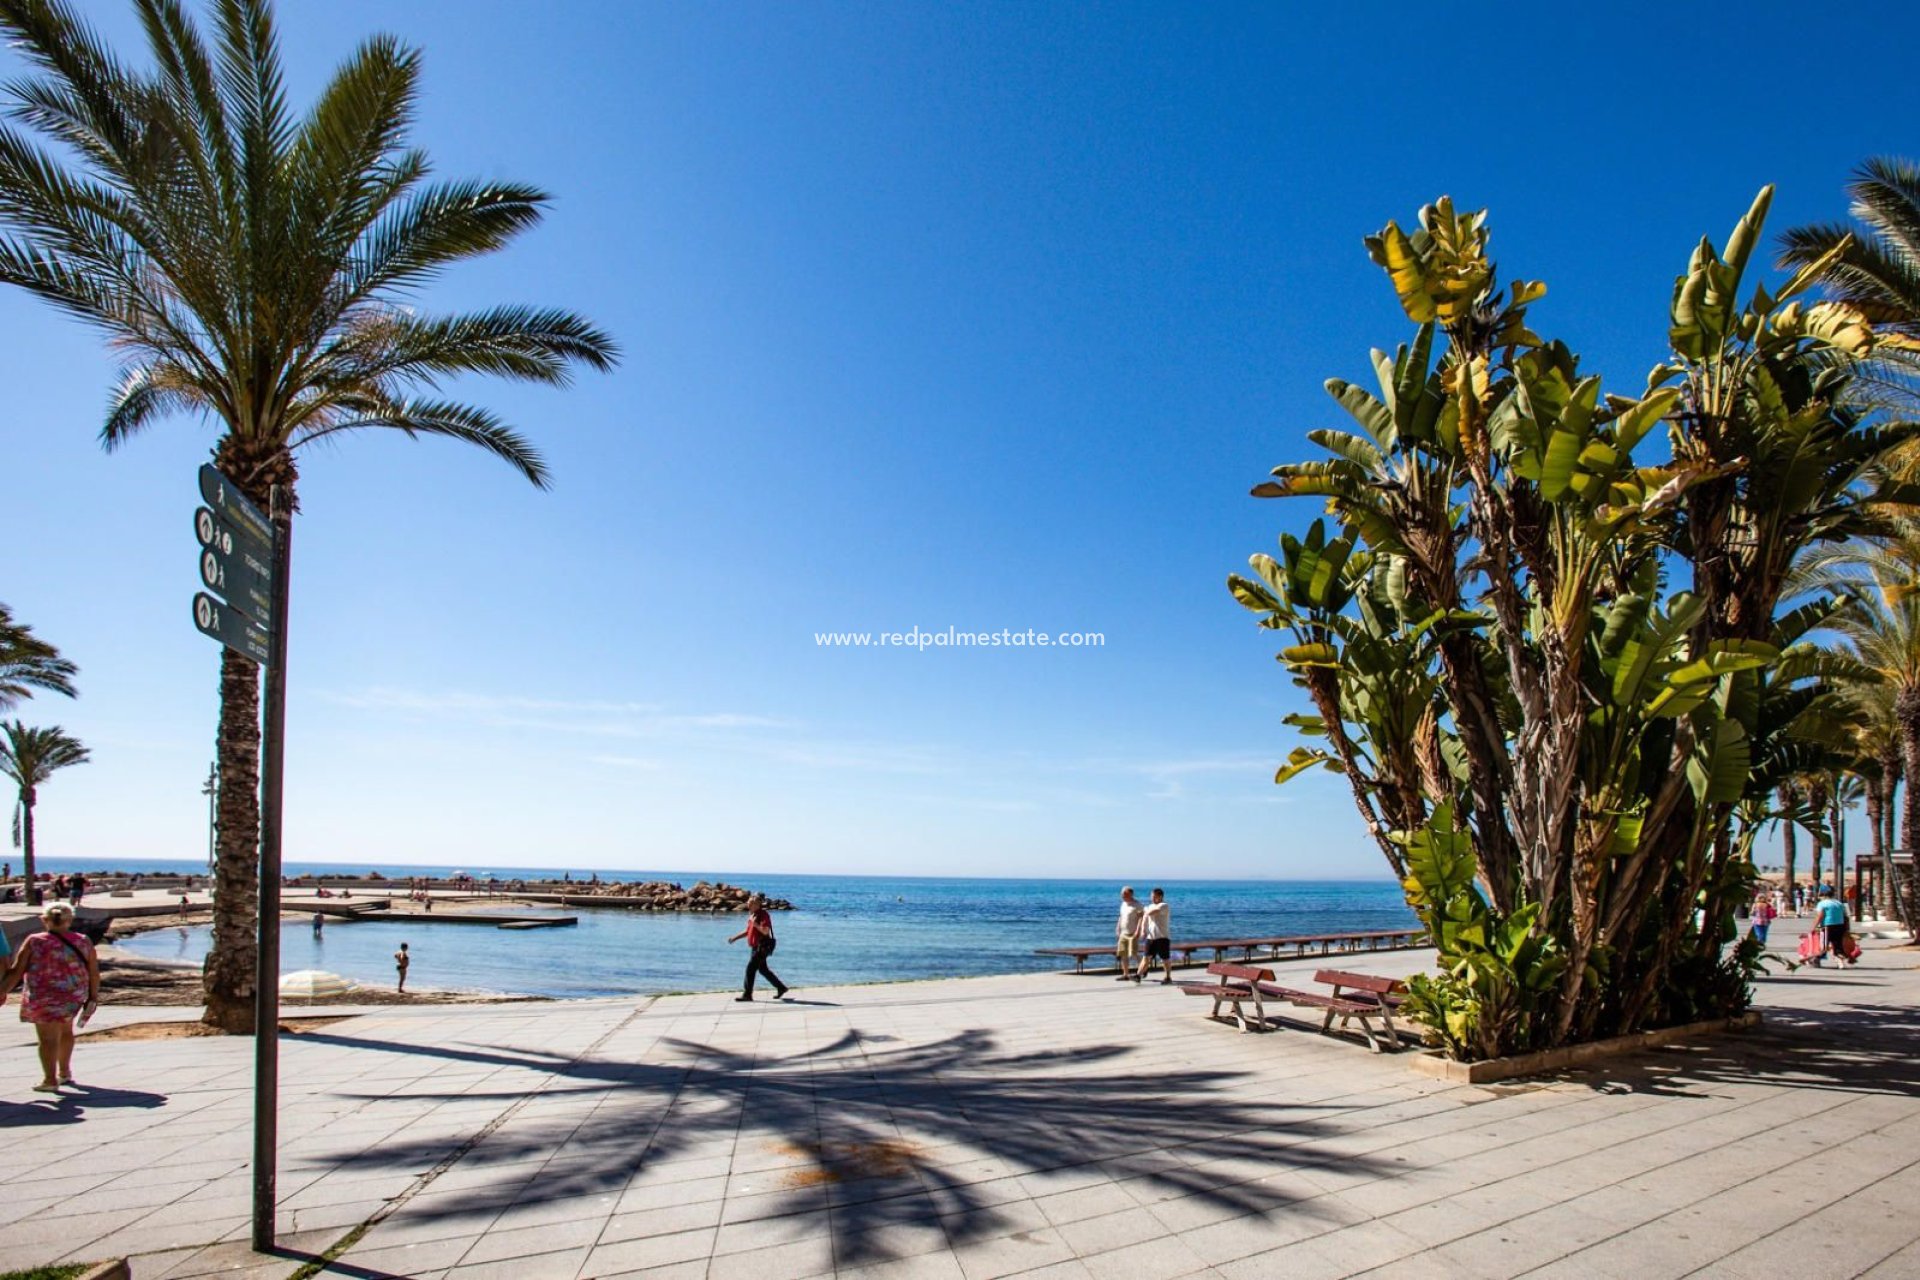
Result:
[
  {"x": 1126, "y": 932},
  {"x": 1157, "y": 934}
]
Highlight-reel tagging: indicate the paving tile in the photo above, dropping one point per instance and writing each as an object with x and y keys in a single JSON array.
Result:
[{"x": 650, "y": 1251}]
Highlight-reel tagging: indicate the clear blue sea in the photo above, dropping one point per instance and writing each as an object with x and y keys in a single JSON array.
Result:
[{"x": 845, "y": 929}]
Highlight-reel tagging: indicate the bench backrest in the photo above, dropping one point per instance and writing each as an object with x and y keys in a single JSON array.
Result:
[
  {"x": 1239, "y": 973},
  {"x": 1360, "y": 981}
]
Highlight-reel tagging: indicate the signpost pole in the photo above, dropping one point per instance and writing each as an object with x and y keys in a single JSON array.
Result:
[{"x": 266, "y": 994}]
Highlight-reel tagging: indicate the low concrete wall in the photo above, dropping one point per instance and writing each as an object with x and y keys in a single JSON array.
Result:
[{"x": 1550, "y": 1060}]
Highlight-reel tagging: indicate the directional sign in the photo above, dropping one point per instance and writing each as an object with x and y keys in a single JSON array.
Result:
[
  {"x": 229, "y": 566},
  {"x": 231, "y": 628},
  {"x": 232, "y": 506}
]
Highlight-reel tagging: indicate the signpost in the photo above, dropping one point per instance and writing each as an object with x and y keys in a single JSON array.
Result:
[
  {"x": 233, "y": 507},
  {"x": 232, "y": 628},
  {"x": 231, "y": 565},
  {"x": 243, "y": 561}
]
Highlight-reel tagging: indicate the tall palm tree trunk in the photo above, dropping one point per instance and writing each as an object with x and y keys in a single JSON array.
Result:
[
  {"x": 1876, "y": 831},
  {"x": 228, "y": 977},
  {"x": 1837, "y": 819},
  {"x": 27, "y": 797},
  {"x": 1906, "y": 710},
  {"x": 1789, "y": 839},
  {"x": 1893, "y": 765},
  {"x": 1816, "y": 794}
]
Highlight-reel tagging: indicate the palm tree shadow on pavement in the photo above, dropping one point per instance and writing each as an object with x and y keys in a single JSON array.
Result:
[
  {"x": 899, "y": 1137},
  {"x": 1851, "y": 1048}
]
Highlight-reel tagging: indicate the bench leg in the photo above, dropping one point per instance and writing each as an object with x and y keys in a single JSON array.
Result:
[
  {"x": 1366, "y": 1029},
  {"x": 1393, "y": 1034}
]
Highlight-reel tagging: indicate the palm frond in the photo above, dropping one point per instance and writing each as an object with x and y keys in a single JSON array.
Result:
[
  {"x": 467, "y": 423},
  {"x": 29, "y": 664},
  {"x": 436, "y": 227}
]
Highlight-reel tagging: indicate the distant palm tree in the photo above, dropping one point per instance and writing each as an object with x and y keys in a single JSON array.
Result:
[
  {"x": 29, "y": 757},
  {"x": 260, "y": 270},
  {"x": 28, "y": 663},
  {"x": 1878, "y": 270},
  {"x": 1880, "y": 629}
]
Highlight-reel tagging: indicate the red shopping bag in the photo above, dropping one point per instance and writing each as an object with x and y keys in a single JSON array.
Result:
[
  {"x": 1811, "y": 944},
  {"x": 1850, "y": 948}
]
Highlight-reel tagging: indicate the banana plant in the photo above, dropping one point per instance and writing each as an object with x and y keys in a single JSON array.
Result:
[{"x": 1490, "y": 635}]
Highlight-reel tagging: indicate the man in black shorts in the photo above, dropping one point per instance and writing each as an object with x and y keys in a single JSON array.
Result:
[{"x": 1157, "y": 931}]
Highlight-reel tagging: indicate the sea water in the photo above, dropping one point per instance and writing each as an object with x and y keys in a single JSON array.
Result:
[{"x": 844, "y": 929}]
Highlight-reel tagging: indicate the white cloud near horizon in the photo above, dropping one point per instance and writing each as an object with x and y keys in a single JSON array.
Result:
[{"x": 1106, "y": 779}]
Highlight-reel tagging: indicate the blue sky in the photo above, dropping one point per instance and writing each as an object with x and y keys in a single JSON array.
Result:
[{"x": 976, "y": 316}]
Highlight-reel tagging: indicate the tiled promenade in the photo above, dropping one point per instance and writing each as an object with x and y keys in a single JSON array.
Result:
[{"x": 1043, "y": 1126}]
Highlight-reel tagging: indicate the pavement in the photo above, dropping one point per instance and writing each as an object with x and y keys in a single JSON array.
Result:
[{"x": 1046, "y": 1126}]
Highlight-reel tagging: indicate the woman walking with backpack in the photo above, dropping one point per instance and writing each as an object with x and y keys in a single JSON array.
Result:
[
  {"x": 760, "y": 943},
  {"x": 63, "y": 981}
]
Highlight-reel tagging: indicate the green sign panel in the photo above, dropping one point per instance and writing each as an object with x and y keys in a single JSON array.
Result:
[
  {"x": 230, "y": 566},
  {"x": 231, "y": 628},
  {"x": 233, "y": 507}
]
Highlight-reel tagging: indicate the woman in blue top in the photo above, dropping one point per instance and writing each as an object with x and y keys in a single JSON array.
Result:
[{"x": 1832, "y": 915}]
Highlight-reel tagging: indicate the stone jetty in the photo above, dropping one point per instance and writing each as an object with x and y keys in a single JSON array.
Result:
[{"x": 717, "y": 898}]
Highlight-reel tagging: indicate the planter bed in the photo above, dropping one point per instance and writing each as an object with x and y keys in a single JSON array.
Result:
[{"x": 1575, "y": 1055}]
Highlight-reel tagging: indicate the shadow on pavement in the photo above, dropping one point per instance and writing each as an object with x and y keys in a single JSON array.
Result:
[
  {"x": 884, "y": 1137},
  {"x": 339, "y": 1266},
  {"x": 71, "y": 1108},
  {"x": 1852, "y": 1048}
]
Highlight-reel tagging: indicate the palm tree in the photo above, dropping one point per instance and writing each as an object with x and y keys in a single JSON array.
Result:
[
  {"x": 1881, "y": 630},
  {"x": 1847, "y": 791},
  {"x": 1876, "y": 270},
  {"x": 28, "y": 663},
  {"x": 29, "y": 757},
  {"x": 1789, "y": 796},
  {"x": 260, "y": 270}
]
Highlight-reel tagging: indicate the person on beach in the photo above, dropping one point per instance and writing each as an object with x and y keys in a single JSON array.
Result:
[
  {"x": 319, "y": 923},
  {"x": 1831, "y": 916},
  {"x": 1126, "y": 932},
  {"x": 760, "y": 944},
  {"x": 77, "y": 888},
  {"x": 1156, "y": 928},
  {"x": 1763, "y": 914},
  {"x": 63, "y": 982},
  {"x": 400, "y": 961}
]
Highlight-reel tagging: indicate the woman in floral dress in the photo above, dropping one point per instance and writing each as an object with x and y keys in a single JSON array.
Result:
[{"x": 63, "y": 978}]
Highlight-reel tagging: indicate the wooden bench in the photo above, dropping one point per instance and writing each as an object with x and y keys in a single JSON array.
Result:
[
  {"x": 1354, "y": 997},
  {"x": 1079, "y": 954},
  {"x": 1237, "y": 985},
  {"x": 1298, "y": 946},
  {"x": 1391, "y": 992}
]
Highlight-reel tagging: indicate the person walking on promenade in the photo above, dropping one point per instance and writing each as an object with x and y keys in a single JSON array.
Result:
[
  {"x": 760, "y": 944},
  {"x": 1126, "y": 932},
  {"x": 401, "y": 961},
  {"x": 1831, "y": 916},
  {"x": 1763, "y": 914},
  {"x": 319, "y": 923},
  {"x": 63, "y": 981},
  {"x": 77, "y": 888},
  {"x": 1156, "y": 928}
]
